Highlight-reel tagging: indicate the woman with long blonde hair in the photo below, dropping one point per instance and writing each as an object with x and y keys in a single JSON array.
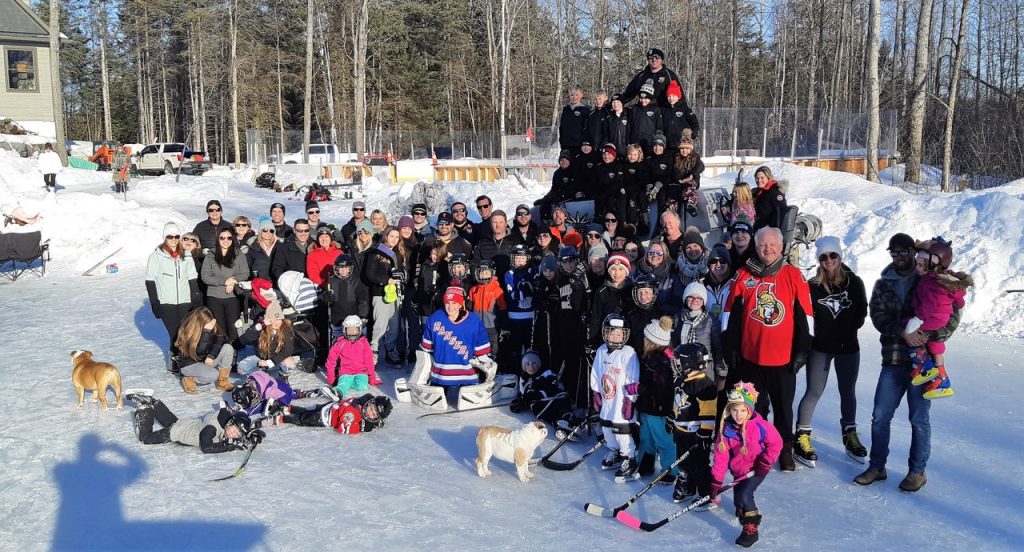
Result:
[{"x": 203, "y": 350}]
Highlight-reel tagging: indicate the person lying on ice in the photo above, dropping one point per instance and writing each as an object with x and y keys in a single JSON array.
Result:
[
  {"x": 223, "y": 430},
  {"x": 349, "y": 416}
]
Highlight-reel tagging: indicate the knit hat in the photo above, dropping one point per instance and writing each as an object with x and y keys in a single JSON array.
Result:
[
  {"x": 901, "y": 241},
  {"x": 406, "y": 222},
  {"x": 419, "y": 208},
  {"x": 266, "y": 224},
  {"x": 172, "y": 229},
  {"x": 549, "y": 262},
  {"x": 273, "y": 312},
  {"x": 365, "y": 226},
  {"x": 312, "y": 205},
  {"x": 655, "y": 52},
  {"x": 324, "y": 229},
  {"x": 692, "y": 235},
  {"x": 610, "y": 148},
  {"x": 659, "y": 331},
  {"x": 741, "y": 224},
  {"x": 647, "y": 90},
  {"x": 659, "y": 140},
  {"x": 565, "y": 154},
  {"x": 696, "y": 289},
  {"x": 745, "y": 394},
  {"x": 278, "y": 206},
  {"x": 619, "y": 258},
  {"x": 531, "y": 356},
  {"x": 597, "y": 251},
  {"x": 829, "y": 244},
  {"x": 674, "y": 90},
  {"x": 455, "y": 294},
  {"x": 213, "y": 202},
  {"x": 573, "y": 239}
]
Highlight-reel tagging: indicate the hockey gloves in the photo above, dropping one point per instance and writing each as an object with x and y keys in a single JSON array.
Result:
[
  {"x": 716, "y": 487},
  {"x": 762, "y": 466}
]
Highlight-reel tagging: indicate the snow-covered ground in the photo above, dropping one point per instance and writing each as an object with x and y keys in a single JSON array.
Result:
[{"x": 77, "y": 479}]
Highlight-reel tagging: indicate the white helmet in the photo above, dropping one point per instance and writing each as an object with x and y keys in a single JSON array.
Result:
[{"x": 352, "y": 321}]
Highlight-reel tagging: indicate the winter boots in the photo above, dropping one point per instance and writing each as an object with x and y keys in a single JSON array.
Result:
[
  {"x": 682, "y": 492},
  {"x": 932, "y": 376},
  {"x": 854, "y": 449},
  {"x": 803, "y": 449},
  {"x": 223, "y": 383},
  {"x": 786, "y": 462},
  {"x": 646, "y": 464},
  {"x": 939, "y": 387},
  {"x": 628, "y": 471},
  {"x": 913, "y": 482},
  {"x": 871, "y": 475},
  {"x": 188, "y": 384},
  {"x": 750, "y": 522}
]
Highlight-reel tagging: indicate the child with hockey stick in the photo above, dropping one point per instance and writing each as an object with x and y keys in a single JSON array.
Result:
[
  {"x": 540, "y": 391},
  {"x": 518, "y": 285},
  {"x": 938, "y": 291},
  {"x": 348, "y": 416},
  {"x": 613, "y": 382},
  {"x": 745, "y": 442},
  {"x": 655, "y": 399},
  {"x": 693, "y": 422},
  {"x": 223, "y": 430},
  {"x": 350, "y": 361}
]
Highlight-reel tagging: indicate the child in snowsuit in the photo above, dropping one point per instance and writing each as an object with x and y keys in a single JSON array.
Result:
[
  {"x": 745, "y": 442},
  {"x": 350, "y": 361},
  {"x": 695, "y": 404},
  {"x": 487, "y": 300},
  {"x": 541, "y": 392},
  {"x": 686, "y": 176},
  {"x": 614, "y": 381},
  {"x": 346, "y": 294},
  {"x": 518, "y": 283},
  {"x": 348, "y": 416},
  {"x": 655, "y": 399},
  {"x": 261, "y": 393},
  {"x": 938, "y": 291},
  {"x": 221, "y": 431}
]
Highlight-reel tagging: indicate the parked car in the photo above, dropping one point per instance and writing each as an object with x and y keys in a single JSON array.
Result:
[{"x": 170, "y": 158}]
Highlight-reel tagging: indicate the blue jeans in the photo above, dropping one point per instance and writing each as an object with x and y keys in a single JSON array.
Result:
[{"x": 893, "y": 383}]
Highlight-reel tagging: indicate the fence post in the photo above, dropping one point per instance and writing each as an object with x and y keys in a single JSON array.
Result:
[
  {"x": 764, "y": 143},
  {"x": 818, "y": 155},
  {"x": 792, "y": 147},
  {"x": 735, "y": 136}
]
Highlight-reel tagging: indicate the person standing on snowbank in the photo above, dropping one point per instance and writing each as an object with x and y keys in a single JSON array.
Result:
[
  {"x": 889, "y": 308},
  {"x": 49, "y": 165}
]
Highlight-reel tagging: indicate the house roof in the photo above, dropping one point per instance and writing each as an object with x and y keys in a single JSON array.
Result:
[{"x": 17, "y": 22}]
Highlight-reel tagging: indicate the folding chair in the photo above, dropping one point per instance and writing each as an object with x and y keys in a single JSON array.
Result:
[{"x": 22, "y": 251}]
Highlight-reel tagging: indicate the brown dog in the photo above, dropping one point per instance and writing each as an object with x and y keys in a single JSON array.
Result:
[{"x": 95, "y": 376}]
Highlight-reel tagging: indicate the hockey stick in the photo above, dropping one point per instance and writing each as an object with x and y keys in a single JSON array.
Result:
[
  {"x": 563, "y": 441},
  {"x": 456, "y": 411},
  {"x": 595, "y": 510},
  {"x": 103, "y": 260},
  {"x": 1009, "y": 291},
  {"x": 559, "y": 466},
  {"x": 241, "y": 468},
  {"x": 632, "y": 521}
]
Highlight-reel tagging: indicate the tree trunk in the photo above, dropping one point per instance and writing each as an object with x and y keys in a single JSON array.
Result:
[
  {"x": 56, "y": 89},
  {"x": 954, "y": 82},
  {"x": 871, "y": 72},
  {"x": 917, "y": 104},
  {"x": 233, "y": 62},
  {"x": 308, "y": 95},
  {"x": 360, "y": 38},
  {"x": 104, "y": 77}
]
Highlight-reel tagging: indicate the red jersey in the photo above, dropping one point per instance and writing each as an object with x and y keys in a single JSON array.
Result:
[
  {"x": 345, "y": 416},
  {"x": 768, "y": 313}
]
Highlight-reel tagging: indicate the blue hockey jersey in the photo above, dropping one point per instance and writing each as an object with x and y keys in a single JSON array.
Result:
[{"x": 452, "y": 345}]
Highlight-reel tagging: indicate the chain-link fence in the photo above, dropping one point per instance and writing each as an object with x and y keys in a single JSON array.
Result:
[{"x": 270, "y": 146}]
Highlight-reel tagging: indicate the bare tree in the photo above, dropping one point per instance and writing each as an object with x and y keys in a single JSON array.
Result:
[
  {"x": 55, "y": 85},
  {"x": 233, "y": 32},
  {"x": 871, "y": 70},
  {"x": 917, "y": 103},
  {"x": 360, "y": 37},
  {"x": 954, "y": 82},
  {"x": 307, "y": 99},
  {"x": 101, "y": 21}
]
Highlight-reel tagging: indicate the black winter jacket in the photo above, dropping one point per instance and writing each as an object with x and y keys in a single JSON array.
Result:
[
  {"x": 644, "y": 123},
  {"x": 838, "y": 314},
  {"x": 675, "y": 119},
  {"x": 289, "y": 255},
  {"x": 769, "y": 207},
  {"x": 616, "y": 131},
  {"x": 607, "y": 300},
  {"x": 661, "y": 79},
  {"x": 889, "y": 312},
  {"x": 377, "y": 267},
  {"x": 656, "y": 386},
  {"x": 347, "y": 296},
  {"x": 572, "y": 125}
]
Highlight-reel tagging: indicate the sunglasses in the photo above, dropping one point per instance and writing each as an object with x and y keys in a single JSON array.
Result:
[
  {"x": 225, "y": 238},
  {"x": 900, "y": 253},
  {"x": 241, "y": 225},
  {"x": 826, "y": 256},
  {"x": 458, "y": 211},
  {"x": 192, "y": 240},
  {"x": 523, "y": 214},
  {"x": 419, "y": 214},
  {"x": 313, "y": 212},
  {"x": 358, "y": 209},
  {"x": 593, "y": 236},
  {"x": 655, "y": 253},
  {"x": 611, "y": 220},
  {"x": 214, "y": 210},
  {"x": 543, "y": 235},
  {"x": 444, "y": 223},
  {"x": 488, "y": 206},
  {"x": 632, "y": 250},
  {"x": 717, "y": 260},
  {"x": 173, "y": 236},
  {"x": 270, "y": 231},
  {"x": 303, "y": 231}
]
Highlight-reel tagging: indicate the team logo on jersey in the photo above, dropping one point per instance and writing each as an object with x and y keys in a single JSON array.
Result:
[
  {"x": 661, "y": 79},
  {"x": 576, "y": 113},
  {"x": 836, "y": 303},
  {"x": 663, "y": 166},
  {"x": 623, "y": 121},
  {"x": 611, "y": 175},
  {"x": 565, "y": 179},
  {"x": 679, "y": 113},
  {"x": 750, "y": 282},
  {"x": 767, "y": 309},
  {"x": 632, "y": 171},
  {"x": 608, "y": 386}
]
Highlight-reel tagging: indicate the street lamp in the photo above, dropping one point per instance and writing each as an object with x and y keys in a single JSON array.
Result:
[{"x": 602, "y": 55}]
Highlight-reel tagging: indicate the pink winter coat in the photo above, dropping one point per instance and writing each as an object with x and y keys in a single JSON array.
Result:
[
  {"x": 935, "y": 296},
  {"x": 350, "y": 358},
  {"x": 762, "y": 440}
]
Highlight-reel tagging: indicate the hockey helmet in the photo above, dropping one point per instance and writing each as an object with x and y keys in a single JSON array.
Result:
[
  {"x": 690, "y": 357},
  {"x": 352, "y": 321},
  {"x": 612, "y": 323},
  {"x": 520, "y": 255},
  {"x": 937, "y": 251},
  {"x": 642, "y": 282},
  {"x": 482, "y": 268},
  {"x": 245, "y": 395}
]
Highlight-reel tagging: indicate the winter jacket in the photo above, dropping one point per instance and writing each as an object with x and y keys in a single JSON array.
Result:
[
  {"x": 572, "y": 124},
  {"x": 518, "y": 287},
  {"x": 208, "y": 347},
  {"x": 675, "y": 119},
  {"x": 283, "y": 231},
  {"x": 738, "y": 260},
  {"x": 491, "y": 249},
  {"x": 890, "y": 306},
  {"x": 425, "y": 289},
  {"x": 49, "y": 162},
  {"x": 595, "y": 127},
  {"x": 320, "y": 264},
  {"x": 761, "y": 440},
  {"x": 616, "y": 131},
  {"x": 526, "y": 237},
  {"x": 660, "y": 80},
  {"x": 454, "y": 243},
  {"x": 260, "y": 260},
  {"x": 659, "y": 168},
  {"x": 563, "y": 186},
  {"x": 487, "y": 301},
  {"x": 214, "y": 275},
  {"x": 377, "y": 267},
  {"x": 270, "y": 388},
  {"x": 767, "y": 302},
  {"x": 252, "y": 337},
  {"x": 170, "y": 280},
  {"x": 465, "y": 230},
  {"x": 635, "y": 178},
  {"x": 543, "y": 394},
  {"x": 769, "y": 206},
  {"x": 644, "y": 123},
  {"x": 695, "y": 402},
  {"x": 614, "y": 382},
  {"x": 656, "y": 388},
  {"x": 347, "y": 296},
  {"x": 936, "y": 295},
  {"x": 637, "y": 318},
  {"x": 346, "y": 416},
  {"x": 207, "y": 232},
  {"x": 607, "y": 183},
  {"x": 350, "y": 358},
  {"x": 289, "y": 255},
  {"x": 607, "y": 299},
  {"x": 582, "y": 168},
  {"x": 121, "y": 161},
  {"x": 691, "y": 167},
  {"x": 838, "y": 314},
  {"x": 206, "y": 433}
]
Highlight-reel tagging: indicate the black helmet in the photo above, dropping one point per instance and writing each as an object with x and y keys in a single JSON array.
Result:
[
  {"x": 343, "y": 260},
  {"x": 398, "y": 274},
  {"x": 614, "y": 321},
  {"x": 383, "y": 404},
  {"x": 519, "y": 250},
  {"x": 241, "y": 421},
  {"x": 245, "y": 395},
  {"x": 567, "y": 253},
  {"x": 645, "y": 281},
  {"x": 482, "y": 266},
  {"x": 691, "y": 357}
]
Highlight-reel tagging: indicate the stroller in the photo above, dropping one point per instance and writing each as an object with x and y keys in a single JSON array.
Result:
[{"x": 298, "y": 296}]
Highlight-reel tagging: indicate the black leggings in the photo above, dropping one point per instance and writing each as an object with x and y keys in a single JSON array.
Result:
[
  {"x": 226, "y": 311},
  {"x": 698, "y": 464},
  {"x": 309, "y": 417},
  {"x": 50, "y": 180},
  {"x": 171, "y": 316},
  {"x": 162, "y": 416},
  {"x": 743, "y": 494}
]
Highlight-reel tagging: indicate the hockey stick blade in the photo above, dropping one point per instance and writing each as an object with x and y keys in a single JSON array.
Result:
[
  {"x": 559, "y": 466},
  {"x": 595, "y": 510},
  {"x": 630, "y": 520},
  {"x": 241, "y": 468},
  {"x": 458, "y": 411},
  {"x": 563, "y": 441}
]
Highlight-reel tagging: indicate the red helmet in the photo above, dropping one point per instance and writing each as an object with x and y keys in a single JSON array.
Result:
[{"x": 940, "y": 252}]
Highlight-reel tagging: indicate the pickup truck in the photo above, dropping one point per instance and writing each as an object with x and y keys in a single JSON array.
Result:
[
  {"x": 319, "y": 154},
  {"x": 170, "y": 158}
]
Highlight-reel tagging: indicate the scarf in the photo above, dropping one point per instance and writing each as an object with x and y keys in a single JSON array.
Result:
[
  {"x": 690, "y": 322},
  {"x": 693, "y": 270}
]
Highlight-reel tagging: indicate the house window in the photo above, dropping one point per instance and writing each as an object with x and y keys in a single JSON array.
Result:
[{"x": 21, "y": 70}]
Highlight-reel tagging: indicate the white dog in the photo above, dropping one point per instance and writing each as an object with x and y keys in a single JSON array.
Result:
[{"x": 511, "y": 446}]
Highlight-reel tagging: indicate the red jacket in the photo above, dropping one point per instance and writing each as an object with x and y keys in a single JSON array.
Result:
[
  {"x": 320, "y": 264},
  {"x": 346, "y": 416},
  {"x": 767, "y": 324}
]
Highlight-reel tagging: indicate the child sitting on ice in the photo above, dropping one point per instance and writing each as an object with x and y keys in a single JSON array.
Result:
[
  {"x": 541, "y": 392},
  {"x": 350, "y": 361},
  {"x": 348, "y": 416},
  {"x": 938, "y": 291},
  {"x": 745, "y": 442},
  {"x": 614, "y": 382}
]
